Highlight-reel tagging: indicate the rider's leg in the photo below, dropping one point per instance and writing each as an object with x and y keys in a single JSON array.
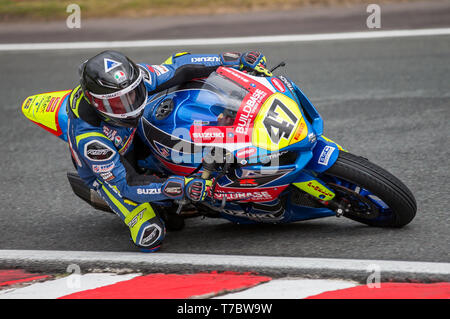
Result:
[{"x": 147, "y": 229}]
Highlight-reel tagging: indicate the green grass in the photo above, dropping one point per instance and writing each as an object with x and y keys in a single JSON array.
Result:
[{"x": 17, "y": 10}]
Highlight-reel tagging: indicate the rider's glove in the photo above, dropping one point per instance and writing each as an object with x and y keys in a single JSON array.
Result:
[
  {"x": 254, "y": 61},
  {"x": 174, "y": 187},
  {"x": 197, "y": 188},
  {"x": 177, "y": 187}
]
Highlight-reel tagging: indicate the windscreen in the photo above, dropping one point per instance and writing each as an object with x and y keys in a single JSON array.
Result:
[{"x": 230, "y": 94}]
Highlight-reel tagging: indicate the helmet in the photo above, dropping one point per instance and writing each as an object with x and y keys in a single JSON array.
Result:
[{"x": 115, "y": 87}]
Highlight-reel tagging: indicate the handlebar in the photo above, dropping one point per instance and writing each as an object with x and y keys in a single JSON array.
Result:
[{"x": 206, "y": 174}]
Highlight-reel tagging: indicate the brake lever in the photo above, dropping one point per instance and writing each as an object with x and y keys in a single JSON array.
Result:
[{"x": 281, "y": 64}]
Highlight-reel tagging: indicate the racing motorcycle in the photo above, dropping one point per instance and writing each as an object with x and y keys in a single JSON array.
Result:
[{"x": 261, "y": 141}]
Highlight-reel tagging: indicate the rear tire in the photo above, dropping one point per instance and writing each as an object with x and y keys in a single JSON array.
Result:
[{"x": 376, "y": 180}]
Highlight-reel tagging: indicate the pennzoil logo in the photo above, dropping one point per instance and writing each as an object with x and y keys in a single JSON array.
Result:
[{"x": 246, "y": 152}]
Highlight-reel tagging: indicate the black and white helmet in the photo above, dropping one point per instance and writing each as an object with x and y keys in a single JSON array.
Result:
[{"x": 114, "y": 86}]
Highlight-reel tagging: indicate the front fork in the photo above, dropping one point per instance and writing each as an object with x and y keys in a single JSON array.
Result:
[{"x": 325, "y": 154}]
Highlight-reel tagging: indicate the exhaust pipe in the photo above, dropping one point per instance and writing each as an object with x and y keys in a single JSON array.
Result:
[{"x": 86, "y": 194}]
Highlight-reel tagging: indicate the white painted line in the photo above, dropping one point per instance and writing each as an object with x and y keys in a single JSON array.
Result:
[
  {"x": 290, "y": 289},
  {"x": 224, "y": 41},
  {"x": 52, "y": 289},
  {"x": 194, "y": 262}
]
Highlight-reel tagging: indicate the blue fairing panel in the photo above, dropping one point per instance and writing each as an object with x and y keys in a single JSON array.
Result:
[{"x": 325, "y": 154}]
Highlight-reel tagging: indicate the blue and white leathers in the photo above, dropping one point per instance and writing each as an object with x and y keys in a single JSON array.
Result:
[{"x": 99, "y": 149}]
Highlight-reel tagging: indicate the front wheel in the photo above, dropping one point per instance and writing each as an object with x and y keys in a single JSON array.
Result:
[{"x": 369, "y": 193}]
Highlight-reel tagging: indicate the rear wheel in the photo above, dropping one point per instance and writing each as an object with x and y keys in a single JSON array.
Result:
[{"x": 368, "y": 193}]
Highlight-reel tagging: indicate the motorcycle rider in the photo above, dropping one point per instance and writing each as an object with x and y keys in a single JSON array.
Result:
[{"x": 104, "y": 111}]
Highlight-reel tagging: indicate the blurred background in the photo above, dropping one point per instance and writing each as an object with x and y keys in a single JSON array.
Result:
[
  {"x": 52, "y": 20},
  {"x": 47, "y": 10}
]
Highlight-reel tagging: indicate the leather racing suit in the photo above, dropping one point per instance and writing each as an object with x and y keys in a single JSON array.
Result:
[{"x": 100, "y": 150}]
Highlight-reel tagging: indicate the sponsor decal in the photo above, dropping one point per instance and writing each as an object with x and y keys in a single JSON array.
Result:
[
  {"x": 253, "y": 195},
  {"x": 155, "y": 135},
  {"x": 235, "y": 74},
  {"x": 208, "y": 135},
  {"x": 164, "y": 151},
  {"x": 103, "y": 168},
  {"x": 109, "y": 132},
  {"x": 319, "y": 189},
  {"x": 110, "y": 64},
  {"x": 120, "y": 76},
  {"x": 97, "y": 151},
  {"x": 128, "y": 143},
  {"x": 27, "y": 103},
  {"x": 173, "y": 189},
  {"x": 108, "y": 176},
  {"x": 231, "y": 56},
  {"x": 147, "y": 75},
  {"x": 272, "y": 156},
  {"x": 216, "y": 134},
  {"x": 150, "y": 68},
  {"x": 149, "y": 235},
  {"x": 117, "y": 141},
  {"x": 148, "y": 191},
  {"x": 312, "y": 137},
  {"x": 200, "y": 122},
  {"x": 325, "y": 155},
  {"x": 247, "y": 112},
  {"x": 248, "y": 182},
  {"x": 136, "y": 218},
  {"x": 250, "y": 173},
  {"x": 278, "y": 85},
  {"x": 298, "y": 132},
  {"x": 246, "y": 152},
  {"x": 160, "y": 69},
  {"x": 43, "y": 103},
  {"x": 206, "y": 59},
  {"x": 52, "y": 104},
  {"x": 286, "y": 82},
  {"x": 247, "y": 195},
  {"x": 252, "y": 178}
]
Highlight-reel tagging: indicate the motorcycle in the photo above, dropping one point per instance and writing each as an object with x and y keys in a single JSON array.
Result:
[{"x": 262, "y": 142}]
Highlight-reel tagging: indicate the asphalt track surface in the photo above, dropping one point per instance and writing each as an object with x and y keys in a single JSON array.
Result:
[{"x": 385, "y": 99}]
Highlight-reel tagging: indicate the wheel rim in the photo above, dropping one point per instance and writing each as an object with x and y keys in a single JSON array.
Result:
[{"x": 359, "y": 202}]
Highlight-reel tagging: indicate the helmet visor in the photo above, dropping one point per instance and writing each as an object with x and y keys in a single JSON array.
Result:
[{"x": 126, "y": 103}]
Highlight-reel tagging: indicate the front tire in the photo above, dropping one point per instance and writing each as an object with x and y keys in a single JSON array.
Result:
[{"x": 374, "y": 196}]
